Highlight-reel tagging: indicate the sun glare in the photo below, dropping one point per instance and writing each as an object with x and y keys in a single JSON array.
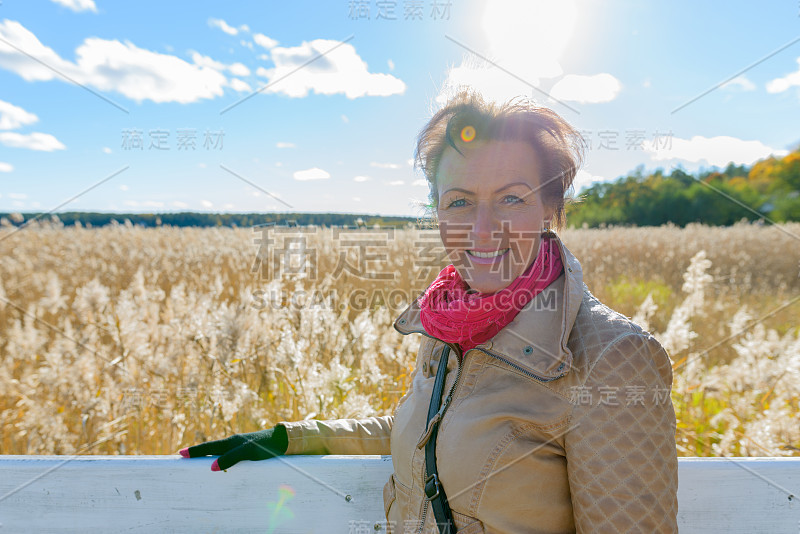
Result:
[{"x": 530, "y": 31}]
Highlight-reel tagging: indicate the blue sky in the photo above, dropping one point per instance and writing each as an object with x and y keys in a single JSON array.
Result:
[{"x": 207, "y": 106}]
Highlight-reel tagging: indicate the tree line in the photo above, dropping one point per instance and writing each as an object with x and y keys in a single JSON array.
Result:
[
  {"x": 768, "y": 190},
  {"x": 95, "y": 219}
]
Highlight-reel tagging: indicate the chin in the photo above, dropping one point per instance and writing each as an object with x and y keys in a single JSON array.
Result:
[
  {"x": 485, "y": 282},
  {"x": 487, "y": 287}
]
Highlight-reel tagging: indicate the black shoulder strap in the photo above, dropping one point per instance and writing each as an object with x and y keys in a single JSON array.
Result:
[{"x": 433, "y": 489}]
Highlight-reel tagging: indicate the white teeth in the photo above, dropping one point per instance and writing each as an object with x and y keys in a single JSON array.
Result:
[{"x": 487, "y": 254}]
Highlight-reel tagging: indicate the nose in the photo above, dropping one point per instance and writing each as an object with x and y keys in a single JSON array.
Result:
[{"x": 484, "y": 226}]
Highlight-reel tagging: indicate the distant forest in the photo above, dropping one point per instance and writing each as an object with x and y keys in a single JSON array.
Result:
[
  {"x": 92, "y": 219},
  {"x": 767, "y": 190}
]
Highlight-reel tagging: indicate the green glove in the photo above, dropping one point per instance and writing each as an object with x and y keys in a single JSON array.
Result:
[{"x": 260, "y": 445}]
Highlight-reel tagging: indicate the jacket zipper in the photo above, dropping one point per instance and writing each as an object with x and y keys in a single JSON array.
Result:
[
  {"x": 449, "y": 397},
  {"x": 520, "y": 369},
  {"x": 424, "y": 515},
  {"x": 436, "y": 418},
  {"x": 440, "y": 414}
]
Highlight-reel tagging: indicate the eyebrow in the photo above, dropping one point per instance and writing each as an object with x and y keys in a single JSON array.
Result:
[{"x": 507, "y": 186}]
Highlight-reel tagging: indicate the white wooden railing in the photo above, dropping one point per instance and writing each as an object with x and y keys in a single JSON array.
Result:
[{"x": 325, "y": 494}]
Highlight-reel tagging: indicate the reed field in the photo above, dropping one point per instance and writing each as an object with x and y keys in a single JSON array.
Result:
[{"x": 127, "y": 340}]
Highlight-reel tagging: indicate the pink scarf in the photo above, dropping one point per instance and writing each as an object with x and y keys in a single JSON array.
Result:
[{"x": 450, "y": 313}]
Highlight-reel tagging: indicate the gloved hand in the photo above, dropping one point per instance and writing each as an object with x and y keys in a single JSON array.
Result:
[{"x": 260, "y": 445}]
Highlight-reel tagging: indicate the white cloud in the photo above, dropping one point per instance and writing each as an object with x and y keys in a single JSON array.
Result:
[
  {"x": 279, "y": 164},
  {"x": 740, "y": 82},
  {"x": 339, "y": 71},
  {"x": 246, "y": 44},
  {"x": 384, "y": 165},
  {"x": 345, "y": 119},
  {"x": 361, "y": 178},
  {"x": 109, "y": 65},
  {"x": 390, "y": 63},
  {"x": 33, "y": 141},
  {"x": 152, "y": 204},
  {"x": 421, "y": 182},
  {"x": 585, "y": 179},
  {"x": 78, "y": 5},
  {"x": 131, "y": 203},
  {"x": 239, "y": 69},
  {"x": 12, "y": 117},
  {"x": 779, "y": 85},
  {"x": 222, "y": 25},
  {"x": 596, "y": 88},
  {"x": 719, "y": 150},
  {"x": 281, "y": 144},
  {"x": 263, "y": 40},
  {"x": 207, "y": 204},
  {"x": 106, "y": 150},
  {"x": 202, "y": 165},
  {"x": 123, "y": 187},
  {"x": 397, "y": 182},
  {"x": 524, "y": 42},
  {"x": 410, "y": 162},
  {"x": 356, "y": 199},
  {"x": 179, "y": 204},
  {"x": 6, "y": 167},
  {"x": 18, "y": 196},
  {"x": 205, "y": 61},
  {"x": 315, "y": 173},
  {"x": 228, "y": 206},
  {"x": 239, "y": 85}
]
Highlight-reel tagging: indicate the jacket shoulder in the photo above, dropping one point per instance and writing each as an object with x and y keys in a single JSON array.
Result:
[{"x": 597, "y": 328}]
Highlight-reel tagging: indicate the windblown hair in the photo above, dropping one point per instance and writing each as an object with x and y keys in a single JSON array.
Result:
[{"x": 558, "y": 145}]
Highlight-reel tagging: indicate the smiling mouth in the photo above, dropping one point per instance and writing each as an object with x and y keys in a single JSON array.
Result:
[{"x": 492, "y": 254}]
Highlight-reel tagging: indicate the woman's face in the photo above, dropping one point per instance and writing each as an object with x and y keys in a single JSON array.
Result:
[{"x": 490, "y": 211}]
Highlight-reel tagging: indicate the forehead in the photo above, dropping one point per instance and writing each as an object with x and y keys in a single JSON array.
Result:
[{"x": 488, "y": 165}]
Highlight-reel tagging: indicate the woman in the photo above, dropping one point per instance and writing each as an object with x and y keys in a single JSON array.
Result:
[{"x": 552, "y": 412}]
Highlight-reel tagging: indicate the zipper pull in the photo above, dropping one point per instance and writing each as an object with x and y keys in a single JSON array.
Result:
[
  {"x": 427, "y": 435},
  {"x": 433, "y": 423}
]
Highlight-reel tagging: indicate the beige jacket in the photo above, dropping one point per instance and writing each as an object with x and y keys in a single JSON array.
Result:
[{"x": 561, "y": 423}]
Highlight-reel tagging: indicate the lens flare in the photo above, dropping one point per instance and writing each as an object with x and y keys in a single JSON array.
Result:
[{"x": 468, "y": 133}]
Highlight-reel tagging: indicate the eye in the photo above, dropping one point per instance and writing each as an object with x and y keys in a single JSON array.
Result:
[
  {"x": 457, "y": 203},
  {"x": 512, "y": 199}
]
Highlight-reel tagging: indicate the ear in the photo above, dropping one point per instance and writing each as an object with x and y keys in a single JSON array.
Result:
[{"x": 547, "y": 220}]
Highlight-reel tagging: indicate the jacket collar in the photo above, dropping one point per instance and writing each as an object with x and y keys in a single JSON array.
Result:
[{"x": 536, "y": 340}]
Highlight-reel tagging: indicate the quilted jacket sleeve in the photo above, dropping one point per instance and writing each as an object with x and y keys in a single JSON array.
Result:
[
  {"x": 340, "y": 436},
  {"x": 621, "y": 456}
]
